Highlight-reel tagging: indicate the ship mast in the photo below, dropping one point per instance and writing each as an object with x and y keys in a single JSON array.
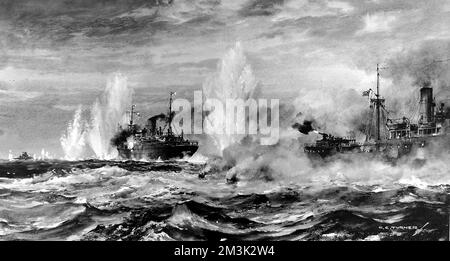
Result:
[
  {"x": 130, "y": 126},
  {"x": 170, "y": 113},
  {"x": 132, "y": 112},
  {"x": 378, "y": 103}
]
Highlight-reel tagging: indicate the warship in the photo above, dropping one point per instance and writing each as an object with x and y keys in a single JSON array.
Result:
[
  {"x": 24, "y": 156},
  {"x": 152, "y": 141},
  {"x": 391, "y": 138}
]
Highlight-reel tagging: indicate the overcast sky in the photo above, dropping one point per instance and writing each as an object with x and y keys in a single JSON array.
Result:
[{"x": 55, "y": 55}]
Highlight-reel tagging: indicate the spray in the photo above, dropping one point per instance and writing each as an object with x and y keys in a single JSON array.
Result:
[
  {"x": 234, "y": 79},
  {"x": 73, "y": 142},
  {"x": 106, "y": 112}
]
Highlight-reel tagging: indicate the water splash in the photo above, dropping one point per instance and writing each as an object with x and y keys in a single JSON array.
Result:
[
  {"x": 45, "y": 155},
  {"x": 73, "y": 142},
  {"x": 106, "y": 113},
  {"x": 234, "y": 79}
]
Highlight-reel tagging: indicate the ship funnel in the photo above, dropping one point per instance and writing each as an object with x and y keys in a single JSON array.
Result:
[
  {"x": 426, "y": 103},
  {"x": 151, "y": 122}
]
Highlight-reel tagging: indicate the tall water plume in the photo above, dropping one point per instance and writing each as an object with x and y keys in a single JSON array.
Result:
[
  {"x": 107, "y": 112},
  {"x": 73, "y": 142},
  {"x": 234, "y": 79}
]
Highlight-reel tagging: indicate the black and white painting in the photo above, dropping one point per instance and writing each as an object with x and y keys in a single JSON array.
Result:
[{"x": 224, "y": 120}]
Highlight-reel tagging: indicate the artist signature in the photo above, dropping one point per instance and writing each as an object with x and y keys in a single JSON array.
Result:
[{"x": 405, "y": 228}]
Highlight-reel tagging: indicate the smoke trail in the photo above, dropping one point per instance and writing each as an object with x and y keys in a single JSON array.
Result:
[
  {"x": 73, "y": 142},
  {"x": 234, "y": 79},
  {"x": 414, "y": 68},
  {"x": 304, "y": 128},
  {"x": 421, "y": 65},
  {"x": 107, "y": 112},
  {"x": 332, "y": 109}
]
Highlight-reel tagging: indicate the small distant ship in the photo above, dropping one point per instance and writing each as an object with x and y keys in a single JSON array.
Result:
[
  {"x": 24, "y": 156},
  {"x": 151, "y": 142},
  {"x": 397, "y": 138}
]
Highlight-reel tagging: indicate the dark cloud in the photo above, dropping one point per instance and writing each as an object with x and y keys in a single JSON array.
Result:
[
  {"x": 63, "y": 51},
  {"x": 36, "y": 9},
  {"x": 366, "y": 6},
  {"x": 49, "y": 22},
  {"x": 261, "y": 7}
]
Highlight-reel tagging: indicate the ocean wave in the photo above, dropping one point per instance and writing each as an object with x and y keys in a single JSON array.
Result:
[{"x": 109, "y": 200}]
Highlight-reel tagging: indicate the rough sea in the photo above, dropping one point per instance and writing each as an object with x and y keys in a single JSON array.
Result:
[{"x": 131, "y": 200}]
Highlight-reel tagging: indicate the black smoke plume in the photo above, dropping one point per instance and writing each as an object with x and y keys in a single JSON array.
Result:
[
  {"x": 161, "y": 116},
  {"x": 304, "y": 128},
  {"x": 121, "y": 137},
  {"x": 428, "y": 64}
]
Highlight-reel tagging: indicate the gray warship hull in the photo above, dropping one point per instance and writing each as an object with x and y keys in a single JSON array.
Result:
[
  {"x": 161, "y": 151},
  {"x": 388, "y": 149}
]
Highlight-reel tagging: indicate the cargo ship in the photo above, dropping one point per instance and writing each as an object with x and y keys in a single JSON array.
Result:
[
  {"x": 391, "y": 138},
  {"x": 151, "y": 141}
]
